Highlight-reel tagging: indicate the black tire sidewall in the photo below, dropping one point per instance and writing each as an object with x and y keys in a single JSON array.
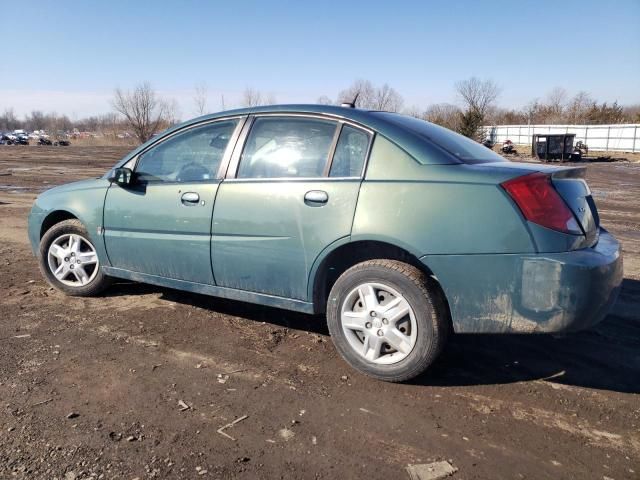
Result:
[
  {"x": 99, "y": 282},
  {"x": 430, "y": 330}
]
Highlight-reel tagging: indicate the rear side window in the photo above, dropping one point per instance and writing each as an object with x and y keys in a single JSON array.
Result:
[
  {"x": 281, "y": 147},
  {"x": 461, "y": 147},
  {"x": 350, "y": 154}
]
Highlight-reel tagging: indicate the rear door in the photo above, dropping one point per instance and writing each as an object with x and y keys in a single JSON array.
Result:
[
  {"x": 285, "y": 199},
  {"x": 161, "y": 223}
]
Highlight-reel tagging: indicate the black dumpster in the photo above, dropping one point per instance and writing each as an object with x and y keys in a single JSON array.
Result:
[{"x": 553, "y": 146}]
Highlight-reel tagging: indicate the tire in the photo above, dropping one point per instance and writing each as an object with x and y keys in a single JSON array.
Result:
[
  {"x": 95, "y": 282},
  {"x": 388, "y": 282}
]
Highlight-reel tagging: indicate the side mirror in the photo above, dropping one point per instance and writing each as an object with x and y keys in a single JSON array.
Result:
[{"x": 122, "y": 176}]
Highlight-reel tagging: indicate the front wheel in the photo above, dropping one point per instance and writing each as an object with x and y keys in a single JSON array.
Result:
[
  {"x": 69, "y": 260},
  {"x": 386, "y": 320}
]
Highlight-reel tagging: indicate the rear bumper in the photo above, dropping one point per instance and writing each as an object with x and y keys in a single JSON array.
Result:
[{"x": 530, "y": 293}]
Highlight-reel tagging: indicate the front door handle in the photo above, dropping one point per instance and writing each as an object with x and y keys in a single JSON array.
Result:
[
  {"x": 316, "y": 197},
  {"x": 190, "y": 198}
]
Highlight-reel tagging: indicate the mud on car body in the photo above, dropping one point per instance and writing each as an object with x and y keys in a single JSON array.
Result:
[{"x": 400, "y": 231}]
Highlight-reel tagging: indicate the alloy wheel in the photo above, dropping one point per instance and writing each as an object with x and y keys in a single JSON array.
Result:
[
  {"x": 379, "y": 323},
  {"x": 73, "y": 260}
]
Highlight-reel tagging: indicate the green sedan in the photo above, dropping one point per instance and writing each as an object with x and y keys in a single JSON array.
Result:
[{"x": 399, "y": 231}]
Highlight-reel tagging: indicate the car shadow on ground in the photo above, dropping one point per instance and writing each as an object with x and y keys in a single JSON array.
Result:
[
  {"x": 606, "y": 357},
  {"x": 258, "y": 313}
]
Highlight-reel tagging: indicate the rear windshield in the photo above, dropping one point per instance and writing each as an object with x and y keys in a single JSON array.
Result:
[{"x": 463, "y": 148}]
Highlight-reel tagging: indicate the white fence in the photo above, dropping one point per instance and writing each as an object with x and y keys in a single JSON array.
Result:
[{"x": 620, "y": 138}]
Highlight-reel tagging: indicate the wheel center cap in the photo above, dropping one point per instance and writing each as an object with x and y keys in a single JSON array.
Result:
[{"x": 377, "y": 323}]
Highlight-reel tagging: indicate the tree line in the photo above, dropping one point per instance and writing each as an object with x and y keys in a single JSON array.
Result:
[
  {"x": 144, "y": 112},
  {"x": 476, "y": 105}
]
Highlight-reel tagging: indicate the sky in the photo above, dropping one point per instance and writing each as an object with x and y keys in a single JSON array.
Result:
[{"x": 68, "y": 57}]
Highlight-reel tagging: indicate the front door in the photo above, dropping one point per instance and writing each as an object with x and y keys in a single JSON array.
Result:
[
  {"x": 290, "y": 198},
  {"x": 161, "y": 223}
]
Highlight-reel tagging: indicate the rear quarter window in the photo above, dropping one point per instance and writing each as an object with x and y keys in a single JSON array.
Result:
[{"x": 462, "y": 148}]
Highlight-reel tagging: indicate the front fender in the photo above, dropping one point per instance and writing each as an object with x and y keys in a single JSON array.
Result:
[{"x": 83, "y": 200}]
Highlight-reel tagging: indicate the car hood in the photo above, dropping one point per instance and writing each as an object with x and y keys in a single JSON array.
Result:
[{"x": 88, "y": 184}]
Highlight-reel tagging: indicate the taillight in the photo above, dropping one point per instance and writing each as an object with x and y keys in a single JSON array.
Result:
[{"x": 540, "y": 203}]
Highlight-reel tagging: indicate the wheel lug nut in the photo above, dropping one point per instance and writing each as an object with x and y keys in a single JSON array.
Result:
[
  {"x": 373, "y": 314},
  {"x": 368, "y": 324},
  {"x": 385, "y": 321},
  {"x": 380, "y": 333},
  {"x": 71, "y": 266},
  {"x": 78, "y": 262},
  {"x": 66, "y": 259}
]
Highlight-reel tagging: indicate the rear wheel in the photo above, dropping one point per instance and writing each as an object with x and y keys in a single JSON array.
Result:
[
  {"x": 69, "y": 260},
  {"x": 385, "y": 319}
]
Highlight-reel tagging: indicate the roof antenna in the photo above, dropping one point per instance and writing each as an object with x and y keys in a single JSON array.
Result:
[{"x": 352, "y": 103}]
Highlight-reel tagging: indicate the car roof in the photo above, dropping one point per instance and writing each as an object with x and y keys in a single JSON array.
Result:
[
  {"x": 406, "y": 139},
  {"x": 366, "y": 118}
]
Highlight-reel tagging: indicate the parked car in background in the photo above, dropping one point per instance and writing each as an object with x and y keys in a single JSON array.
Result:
[
  {"x": 44, "y": 141},
  {"x": 400, "y": 231},
  {"x": 9, "y": 139},
  {"x": 21, "y": 139},
  {"x": 62, "y": 143}
]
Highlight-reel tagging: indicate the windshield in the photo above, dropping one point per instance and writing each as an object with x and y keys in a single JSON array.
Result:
[{"x": 463, "y": 148}]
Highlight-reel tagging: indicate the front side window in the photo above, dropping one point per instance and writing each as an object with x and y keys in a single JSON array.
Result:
[
  {"x": 351, "y": 152},
  {"x": 279, "y": 147},
  {"x": 191, "y": 156}
]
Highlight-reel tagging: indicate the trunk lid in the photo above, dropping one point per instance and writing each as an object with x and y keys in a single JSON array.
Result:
[{"x": 572, "y": 187}]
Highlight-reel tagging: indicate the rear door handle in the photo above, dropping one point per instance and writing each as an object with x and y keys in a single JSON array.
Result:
[
  {"x": 316, "y": 197},
  {"x": 190, "y": 198}
]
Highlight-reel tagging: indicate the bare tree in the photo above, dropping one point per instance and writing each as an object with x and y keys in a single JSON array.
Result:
[
  {"x": 254, "y": 98},
  {"x": 8, "y": 120},
  {"x": 200, "y": 98},
  {"x": 362, "y": 91},
  {"x": 142, "y": 109},
  {"x": 504, "y": 116},
  {"x": 37, "y": 120},
  {"x": 387, "y": 99},
  {"x": 172, "y": 112},
  {"x": 578, "y": 108},
  {"x": 632, "y": 113},
  {"x": 413, "y": 111},
  {"x": 324, "y": 100},
  {"x": 478, "y": 95},
  {"x": 443, "y": 114},
  {"x": 368, "y": 96},
  {"x": 251, "y": 97},
  {"x": 556, "y": 100}
]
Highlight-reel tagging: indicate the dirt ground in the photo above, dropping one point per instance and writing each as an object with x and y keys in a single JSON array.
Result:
[{"x": 136, "y": 383}]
